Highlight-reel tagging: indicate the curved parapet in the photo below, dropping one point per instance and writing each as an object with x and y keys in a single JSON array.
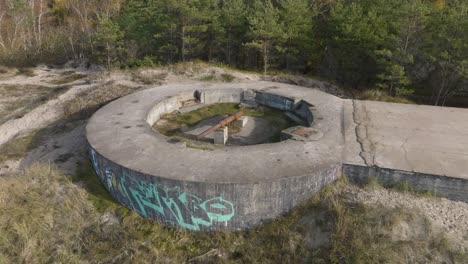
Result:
[{"x": 228, "y": 188}]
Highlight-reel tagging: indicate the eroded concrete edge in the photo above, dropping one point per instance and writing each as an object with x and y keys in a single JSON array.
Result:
[
  {"x": 444, "y": 186},
  {"x": 360, "y": 152}
]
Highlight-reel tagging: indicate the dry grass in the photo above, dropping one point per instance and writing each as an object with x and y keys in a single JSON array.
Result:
[
  {"x": 49, "y": 218},
  {"x": 364, "y": 234},
  {"x": 68, "y": 78},
  {"x": 86, "y": 103},
  {"x": 26, "y": 71},
  {"x": 205, "y": 71},
  {"x": 24, "y": 98},
  {"x": 190, "y": 68},
  {"x": 3, "y": 69},
  {"x": 149, "y": 77},
  {"x": 43, "y": 217},
  {"x": 18, "y": 147},
  {"x": 378, "y": 95},
  {"x": 223, "y": 77}
]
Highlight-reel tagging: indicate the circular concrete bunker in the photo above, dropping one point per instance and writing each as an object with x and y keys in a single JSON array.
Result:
[{"x": 224, "y": 188}]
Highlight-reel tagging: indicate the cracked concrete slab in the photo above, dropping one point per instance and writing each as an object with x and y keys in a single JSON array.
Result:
[{"x": 414, "y": 138}]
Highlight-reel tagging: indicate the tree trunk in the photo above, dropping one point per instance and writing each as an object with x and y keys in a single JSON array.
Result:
[
  {"x": 183, "y": 43},
  {"x": 72, "y": 47},
  {"x": 228, "y": 51},
  {"x": 265, "y": 59},
  {"x": 441, "y": 88},
  {"x": 108, "y": 55},
  {"x": 39, "y": 22},
  {"x": 14, "y": 38},
  {"x": 2, "y": 43}
]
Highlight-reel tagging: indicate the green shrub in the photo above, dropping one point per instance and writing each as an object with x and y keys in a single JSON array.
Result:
[
  {"x": 26, "y": 71},
  {"x": 3, "y": 69},
  {"x": 138, "y": 63}
]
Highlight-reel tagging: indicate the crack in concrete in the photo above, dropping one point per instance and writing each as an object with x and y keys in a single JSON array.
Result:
[
  {"x": 361, "y": 119},
  {"x": 406, "y": 153}
]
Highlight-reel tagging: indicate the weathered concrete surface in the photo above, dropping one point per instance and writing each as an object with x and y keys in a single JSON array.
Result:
[
  {"x": 255, "y": 130},
  {"x": 225, "y": 188},
  {"x": 121, "y": 132},
  {"x": 450, "y": 187},
  {"x": 240, "y": 187},
  {"x": 413, "y": 138}
]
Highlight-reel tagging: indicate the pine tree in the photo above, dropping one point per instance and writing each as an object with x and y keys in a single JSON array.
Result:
[
  {"x": 354, "y": 33},
  {"x": 447, "y": 48},
  {"x": 266, "y": 30},
  {"x": 108, "y": 43},
  {"x": 297, "y": 17},
  {"x": 234, "y": 21}
]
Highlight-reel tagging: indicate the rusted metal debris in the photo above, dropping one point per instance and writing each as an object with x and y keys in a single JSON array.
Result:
[
  {"x": 221, "y": 123},
  {"x": 303, "y": 132}
]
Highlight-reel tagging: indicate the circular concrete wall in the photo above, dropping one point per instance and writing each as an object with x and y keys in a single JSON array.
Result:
[{"x": 225, "y": 188}]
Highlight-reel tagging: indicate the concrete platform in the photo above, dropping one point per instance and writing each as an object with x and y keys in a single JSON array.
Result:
[
  {"x": 426, "y": 146},
  {"x": 225, "y": 188},
  {"x": 240, "y": 187}
]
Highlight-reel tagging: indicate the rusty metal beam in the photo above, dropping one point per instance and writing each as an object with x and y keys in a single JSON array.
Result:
[{"x": 221, "y": 123}]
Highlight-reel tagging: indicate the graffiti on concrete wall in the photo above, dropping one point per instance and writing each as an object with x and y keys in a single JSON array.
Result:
[{"x": 157, "y": 201}]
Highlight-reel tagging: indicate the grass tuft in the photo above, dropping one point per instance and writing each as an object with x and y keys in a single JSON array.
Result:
[
  {"x": 26, "y": 71},
  {"x": 97, "y": 194},
  {"x": 3, "y": 69},
  {"x": 379, "y": 95},
  {"x": 227, "y": 77},
  {"x": 18, "y": 147},
  {"x": 68, "y": 78},
  {"x": 24, "y": 98},
  {"x": 373, "y": 183},
  {"x": 149, "y": 77},
  {"x": 212, "y": 77},
  {"x": 86, "y": 103},
  {"x": 405, "y": 187}
]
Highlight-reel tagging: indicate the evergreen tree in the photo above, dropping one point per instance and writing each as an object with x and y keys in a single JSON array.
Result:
[
  {"x": 189, "y": 14},
  {"x": 297, "y": 17},
  {"x": 393, "y": 76},
  {"x": 266, "y": 30},
  {"x": 447, "y": 49},
  {"x": 108, "y": 43},
  {"x": 234, "y": 22},
  {"x": 355, "y": 32}
]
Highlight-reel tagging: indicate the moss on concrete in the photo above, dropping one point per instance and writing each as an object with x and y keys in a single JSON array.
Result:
[{"x": 176, "y": 121}]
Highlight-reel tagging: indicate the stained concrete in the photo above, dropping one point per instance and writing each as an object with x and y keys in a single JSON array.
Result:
[
  {"x": 255, "y": 130},
  {"x": 224, "y": 188},
  {"x": 121, "y": 132},
  {"x": 414, "y": 138},
  {"x": 240, "y": 187}
]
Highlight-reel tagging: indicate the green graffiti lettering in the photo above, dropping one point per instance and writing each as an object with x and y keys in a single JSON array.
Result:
[{"x": 168, "y": 204}]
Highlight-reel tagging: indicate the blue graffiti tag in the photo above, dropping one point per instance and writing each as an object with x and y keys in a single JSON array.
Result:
[
  {"x": 187, "y": 210},
  {"x": 95, "y": 162},
  {"x": 170, "y": 204}
]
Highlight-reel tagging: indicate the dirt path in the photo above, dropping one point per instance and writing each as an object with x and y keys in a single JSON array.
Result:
[{"x": 45, "y": 113}]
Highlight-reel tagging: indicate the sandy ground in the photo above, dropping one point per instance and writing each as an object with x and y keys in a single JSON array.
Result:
[
  {"x": 43, "y": 114},
  {"x": 446, "y": 216},
  {"x": 66, "y": 148}
]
